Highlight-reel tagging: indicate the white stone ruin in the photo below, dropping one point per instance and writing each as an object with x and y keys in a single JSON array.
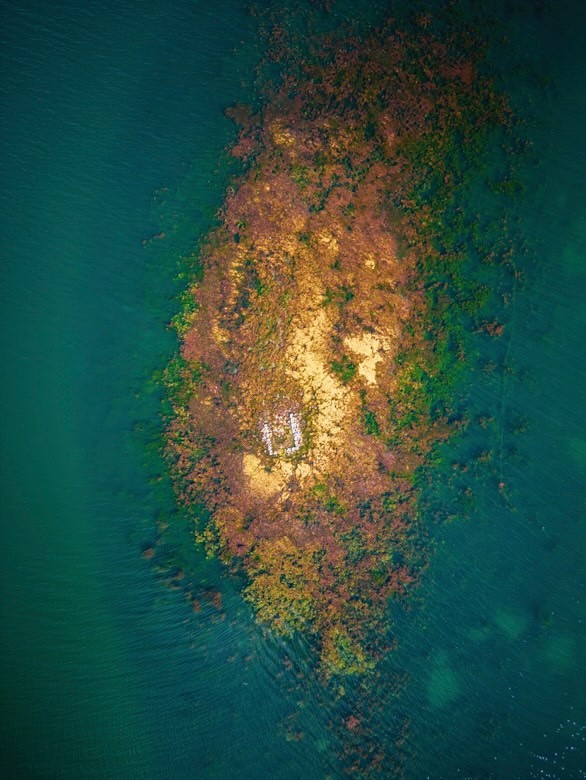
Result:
[{"x": 282, "y": 434}]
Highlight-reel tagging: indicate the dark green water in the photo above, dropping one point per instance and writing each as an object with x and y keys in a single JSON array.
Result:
[{"x": 105, "y": 672}]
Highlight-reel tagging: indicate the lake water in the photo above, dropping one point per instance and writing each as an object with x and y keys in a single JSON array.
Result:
[{"x": 111, "y": 130}]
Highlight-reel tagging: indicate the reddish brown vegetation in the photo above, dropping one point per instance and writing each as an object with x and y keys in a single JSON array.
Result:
[{"x": 312, "y": 306}]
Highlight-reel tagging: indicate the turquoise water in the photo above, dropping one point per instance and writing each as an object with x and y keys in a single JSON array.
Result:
[{"x": 112, "y": 121}]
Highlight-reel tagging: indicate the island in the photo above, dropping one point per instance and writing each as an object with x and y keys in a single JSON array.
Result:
[{"x": 322, "y": 333}]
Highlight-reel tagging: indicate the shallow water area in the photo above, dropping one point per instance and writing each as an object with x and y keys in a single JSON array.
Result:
[{"x": 107, "y": 673}]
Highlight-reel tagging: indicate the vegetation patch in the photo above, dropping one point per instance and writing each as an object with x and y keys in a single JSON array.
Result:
[{"x": 320, "y": 347}]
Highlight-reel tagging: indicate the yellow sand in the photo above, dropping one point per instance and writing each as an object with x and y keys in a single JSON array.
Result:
[{"x": 371, "y": 348}]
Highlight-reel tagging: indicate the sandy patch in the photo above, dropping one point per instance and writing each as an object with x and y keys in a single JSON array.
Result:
[
  {"x": 266, "y": 483},
  {"x": 308, "y": 364},
  {"x": 371, "y": 349}
]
